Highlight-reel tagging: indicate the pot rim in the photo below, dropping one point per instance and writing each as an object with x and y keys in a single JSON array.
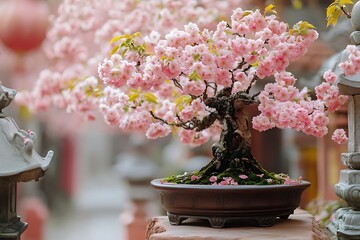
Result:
[{"x": 159, "y": 185}]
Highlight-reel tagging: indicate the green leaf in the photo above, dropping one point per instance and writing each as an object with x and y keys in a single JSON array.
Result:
[
  {"x": 247, "y": 12},
  {"x": 343, "y": 2},
  {"x": 166, "y": 58},
  {"x": 330, "y": 10},
  {"x": 305, "y": 26},
  {"x": 93, "y": 92},
  {"x": 137, "y": 34},
  {"x": 212, "y": 49},
  {"x": 124, "y": 52},
  {"x": 97, "y": 92},
  {"x": 150, "y": 97},
  {"x": 197, "y": 57},
  {"x": 255, "y": 64},
  {"x": 183, "y": 101},
  {"x": 133, "y": 95},
  {"x": 301, "y": 28},
  {"x": 128, "y": 41},
  {"x": 114, "y": 50},
  {"x": 194, "y": 76},
  {"x": 117, "y": 38},
  {"x": 228, "y": 31},
  {"x": 335, "y": 9},
  {"x": 334, "y": 17},
  {"x": 141, "y": 48},
  {"x": 270, "y": 9}
]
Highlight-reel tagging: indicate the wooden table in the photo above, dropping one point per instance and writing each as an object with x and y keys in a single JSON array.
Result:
[{"x": 300, "y": 226}]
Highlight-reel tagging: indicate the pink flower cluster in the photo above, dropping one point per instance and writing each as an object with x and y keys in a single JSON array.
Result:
[
  {"x": 158, "y": 83},
  {"x": 78, "y": 40},
  {"x": 339, "y": 136},
  {"x": 76, "y": 96},
  {"x": 230, "y": 181},
  {"x": 284, "y": 106},
  {"x": 187, "y": 66},
  {"x": 289, "y": 181},
  {"x": 352, "y": 65},
  {"x": 225, "y": 181}
]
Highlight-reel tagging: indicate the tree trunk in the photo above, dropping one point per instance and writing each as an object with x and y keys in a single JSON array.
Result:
[{"x": 232, "y": 155}]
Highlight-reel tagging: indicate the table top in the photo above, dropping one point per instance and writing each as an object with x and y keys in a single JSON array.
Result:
[{"x": 299, "y": 226}]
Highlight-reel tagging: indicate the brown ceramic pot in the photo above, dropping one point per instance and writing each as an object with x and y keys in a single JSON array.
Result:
[{"x": 259, "y": 204}]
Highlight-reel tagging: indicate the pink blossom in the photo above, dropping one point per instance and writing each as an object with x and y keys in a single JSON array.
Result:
[
  {"x": 285, "y": 78},
  {"x": 194, "y": 178},
  {"x": 193, "y": 138},
  {"x": 224, "y": 182},
  {"x": 233, "y": 182},
  {"x": 213, "y": 179},
  {"x": 157, "y": 130},
  {"x": 352, "y": 49},
  {"x": 329, "y": 76},
  {"x": 262, "y": 123},
  {"x": 269, "y": 180},
  {"x": 241, "y": 76},
  {"x": 320, "y": 119},
  {"x": 228, "y": 181},
  {"x": 187, "y": 113},
  {"x": 274, "y": 41},
  {"x": 289, "y": 181},
  {"x": 223, "y": 77},
  {"x": 225, "y": 62},
  {"x": 339, "y": 136},
  {"x": 243, "y": 176},
  {"x": 192, "y": 86},
  {"x": 111, "y": 117}
]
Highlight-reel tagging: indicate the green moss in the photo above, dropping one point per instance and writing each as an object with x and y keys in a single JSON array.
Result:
[{"x": 253, "y": 179}]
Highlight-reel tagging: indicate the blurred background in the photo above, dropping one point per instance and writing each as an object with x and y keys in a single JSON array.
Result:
[{"x": 97, "y": 186}]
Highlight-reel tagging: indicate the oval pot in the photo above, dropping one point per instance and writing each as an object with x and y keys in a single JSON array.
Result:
[{"x": 260, "y": 204}]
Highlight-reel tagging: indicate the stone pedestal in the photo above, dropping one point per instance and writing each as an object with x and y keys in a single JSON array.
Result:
[
  {"x": 299, "y": 226},
  {"x": 347, "y": 220},
  {"x": 346, "y": 224}
]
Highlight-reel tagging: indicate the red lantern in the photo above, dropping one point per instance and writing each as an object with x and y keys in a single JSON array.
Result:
[{"x": 23, "y": 23}]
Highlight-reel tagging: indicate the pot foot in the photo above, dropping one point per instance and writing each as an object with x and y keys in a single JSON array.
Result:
[
  {"x": 217, "y": 222},
  {"x": 266, "y": 221},
  {"x": 175, "y": 219},
  {"x": 285, "y": 216}
]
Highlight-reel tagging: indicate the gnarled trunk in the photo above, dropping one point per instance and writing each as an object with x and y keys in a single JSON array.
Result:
[{"x": 232, "y": 155}]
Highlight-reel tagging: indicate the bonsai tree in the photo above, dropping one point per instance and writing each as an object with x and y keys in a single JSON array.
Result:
[{"x": 196, "y": 83}]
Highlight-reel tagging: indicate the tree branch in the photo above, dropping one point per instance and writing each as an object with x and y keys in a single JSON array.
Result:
[
  {"x": 345, "y": 11},
  {"x": 252, "y": 82},
  {"x": 177, "y": 84}
]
